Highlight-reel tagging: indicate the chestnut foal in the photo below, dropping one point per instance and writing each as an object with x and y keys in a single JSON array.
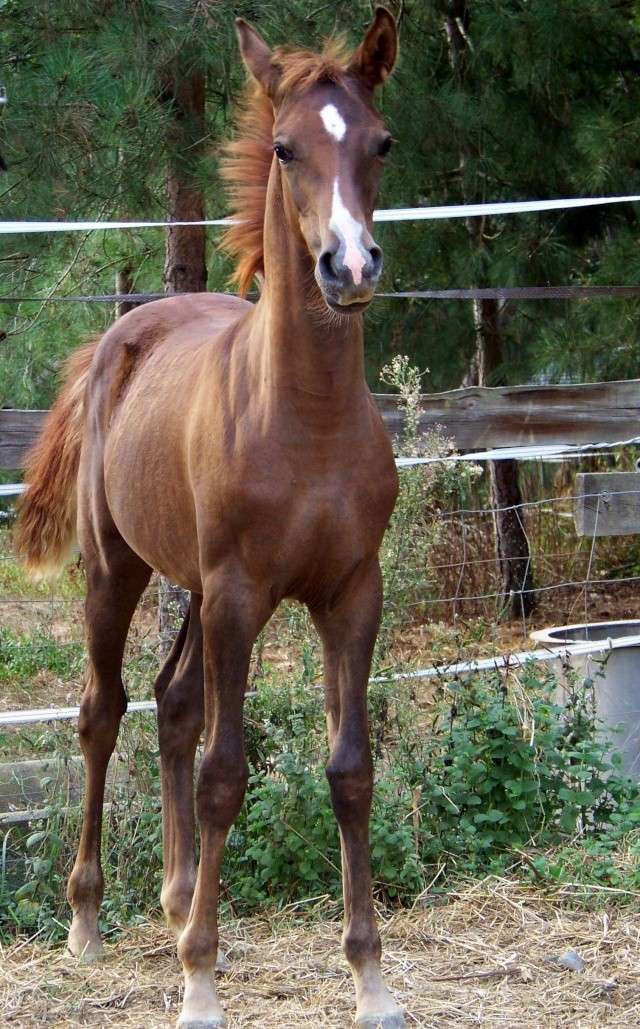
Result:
[{"x": 236, "y": 449}]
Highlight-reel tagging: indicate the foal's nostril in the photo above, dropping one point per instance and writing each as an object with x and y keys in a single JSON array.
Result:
[
  {"x": 374, "y": 265},
  {"x": 327, "y": 266}
]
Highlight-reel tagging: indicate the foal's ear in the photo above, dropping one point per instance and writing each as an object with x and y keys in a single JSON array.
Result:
[
  {"x": 257, "y": 56},
  {"x": 374, "y": 59}
]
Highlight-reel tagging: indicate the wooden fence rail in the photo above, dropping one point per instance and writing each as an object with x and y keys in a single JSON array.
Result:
[{"x": 475, "y": 418}]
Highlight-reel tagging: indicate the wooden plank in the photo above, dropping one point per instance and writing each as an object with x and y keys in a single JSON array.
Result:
[
  {"x": 475, "y": 418},
  {"x": 479, "y": 418},
  {"x": 609, "y": 504},
  {"x": 35, "y": 783},
  {"x": 18, "y": 432},
  {"x": 27, "y": 783},
  {"x": 40, "y": 814}
]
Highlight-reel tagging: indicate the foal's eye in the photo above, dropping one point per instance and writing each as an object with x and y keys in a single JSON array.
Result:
[
  {"x": 385, "y": 146},
  {"x": 282, "y": 153}
]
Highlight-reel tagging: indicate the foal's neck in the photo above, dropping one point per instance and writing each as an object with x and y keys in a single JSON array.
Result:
[{"x": 306, "y": 349}]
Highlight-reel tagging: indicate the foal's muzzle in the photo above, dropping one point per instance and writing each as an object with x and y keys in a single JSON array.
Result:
[{"x": 338, "y": 282}]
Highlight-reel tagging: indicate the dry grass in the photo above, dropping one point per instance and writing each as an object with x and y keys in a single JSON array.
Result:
[{"x": 486, "y": 958}]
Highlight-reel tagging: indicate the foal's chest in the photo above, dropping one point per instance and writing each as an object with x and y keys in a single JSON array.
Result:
[{"x": 310, "y": 525}]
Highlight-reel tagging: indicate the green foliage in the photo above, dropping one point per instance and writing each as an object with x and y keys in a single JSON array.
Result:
[
  {"x": 286, "y": 845},
  {"x": 609, "y": 860},
  {"x": 425, "y": 490},
  {"x": 23, "y": 656},
  {"x": 284, "y": 717},
  {"x": 503, "y": 770},
  {"x": 133, "y": 859},
  {"x": 542, "y": 100},
  {"x": 31, "y": 904},
  {"x": 495, "y": 776},
  {"x": 36, "y": 862}
]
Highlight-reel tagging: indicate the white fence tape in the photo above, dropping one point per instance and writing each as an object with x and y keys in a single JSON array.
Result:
[
  {"x": 396, "y": 214},
  {"x": 21, "y": 227},
  {"x": 517, "y": 660},
  {"x": 453, "y": 671},
  {"x": 61, "y": 714},
  {"x": 537, "y": 451},
  {"x": 409, "y": 214}
]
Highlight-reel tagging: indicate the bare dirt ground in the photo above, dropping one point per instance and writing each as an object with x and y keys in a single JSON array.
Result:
[
  {"x": 487, "y": 958},
  {"x": 467, "y": 637}
]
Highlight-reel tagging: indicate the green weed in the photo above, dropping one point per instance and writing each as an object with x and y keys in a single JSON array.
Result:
[
  {"x": 495, "y": 777},
  {"x": 23, "y": 656}
]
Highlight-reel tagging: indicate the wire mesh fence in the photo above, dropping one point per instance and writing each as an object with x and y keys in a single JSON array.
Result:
[{"x": 589, "y": 578}]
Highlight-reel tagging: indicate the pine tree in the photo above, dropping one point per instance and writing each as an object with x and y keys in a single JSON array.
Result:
[
  {"x": 101, "y": 126},
  {"x": 548, "y": 107},
  {"x": 546, "y": 104}
]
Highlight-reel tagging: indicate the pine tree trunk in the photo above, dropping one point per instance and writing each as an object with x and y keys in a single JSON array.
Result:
[
  {"x": 124, "y": 284},
  {"x": 185, "y": 269},
  {"x": 512, "y": 545}
]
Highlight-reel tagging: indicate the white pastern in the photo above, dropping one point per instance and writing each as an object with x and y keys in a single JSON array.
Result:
[
  {"x": 349, "y": 231},
  {"x": 200, "y": 1006},
  {"x": 333, "y": 121}
]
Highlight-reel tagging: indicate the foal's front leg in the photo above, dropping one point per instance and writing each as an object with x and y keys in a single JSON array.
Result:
[
  {"x": 232, "y": 614},
  {"x": 348, "y": 631}
]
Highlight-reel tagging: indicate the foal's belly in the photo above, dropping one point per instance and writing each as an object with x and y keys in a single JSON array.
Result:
[
  {"x": 304, "y": 548},
  {"x": 151, "y": 504},
  {"x": 165, "y": 539}
]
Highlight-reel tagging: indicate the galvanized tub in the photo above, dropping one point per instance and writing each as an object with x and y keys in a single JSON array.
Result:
[{"x": 616, "y": 674}]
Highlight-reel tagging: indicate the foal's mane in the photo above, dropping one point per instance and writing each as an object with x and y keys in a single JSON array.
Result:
[{"x": 246, "y": 163}]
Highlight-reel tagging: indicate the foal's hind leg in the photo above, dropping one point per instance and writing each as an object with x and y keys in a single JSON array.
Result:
[
  {"x": 116, "y": 578},
  {"x": 179, "y": 693}
]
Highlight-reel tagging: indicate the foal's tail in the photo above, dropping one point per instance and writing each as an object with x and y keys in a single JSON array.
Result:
[{"x": 45, "y": 530}]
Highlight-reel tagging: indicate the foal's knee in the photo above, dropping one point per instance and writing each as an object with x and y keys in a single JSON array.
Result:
[
  {"x": 351, "y": 784},
  {"x": 222, "y": 784}
]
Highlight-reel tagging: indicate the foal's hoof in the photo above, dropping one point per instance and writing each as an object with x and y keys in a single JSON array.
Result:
[
  {"x": 201, "y": 1008},
  {"x": 394, "y": 1021},
  {"x": 84, "y": 943},
  {"x": 209, "y": 1023}
]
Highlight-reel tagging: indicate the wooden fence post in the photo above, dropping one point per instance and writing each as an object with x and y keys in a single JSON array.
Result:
[{"x": 607, "y": 504}]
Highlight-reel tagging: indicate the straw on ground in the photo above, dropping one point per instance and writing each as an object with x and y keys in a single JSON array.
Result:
[{"x": 487, "y": 957}]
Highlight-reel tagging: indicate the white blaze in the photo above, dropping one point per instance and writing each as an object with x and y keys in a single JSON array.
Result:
[
  {"x": 349, "y": 232},
  {"x": 333, "y": 121}
]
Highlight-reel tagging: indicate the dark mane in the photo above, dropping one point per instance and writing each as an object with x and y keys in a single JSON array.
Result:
[{"x": 247, "y": 159}]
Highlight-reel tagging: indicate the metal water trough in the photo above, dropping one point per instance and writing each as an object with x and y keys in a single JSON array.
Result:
[{"x": 616, "y": 674}]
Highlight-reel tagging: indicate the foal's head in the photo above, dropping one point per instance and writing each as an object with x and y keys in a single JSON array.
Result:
[{"x": 329, "y": 143}]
